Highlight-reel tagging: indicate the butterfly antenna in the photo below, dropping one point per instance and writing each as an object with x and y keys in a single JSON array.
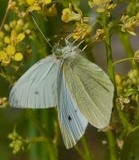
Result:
[
  {"x": 40, "y": 30},
  {"x": 80, "y": 43},
  {"x": 85, "y": 47},
  {"x": 68, "y": 37}
]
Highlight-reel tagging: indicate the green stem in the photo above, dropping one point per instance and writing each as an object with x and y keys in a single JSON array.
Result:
[
  {"x": 123, "y": 60},
  {"x": 33, "y": 149},
  {"x": 85, "y": 154},
  {"x": 49, "y": 144},
  {"x": 110, "y": 136},
  {"x": 88, "y": 155},
  {"x": 40, "y": 128},
  {"x": 125, "y": 40},
  {"x": 112, "y": 144},
  {"x": 79, "y": 152},
  {"x": 57, "y": 134},
  {"x": 137, "y": 115},
  {"x": 123, "y": 119},
  {"x": 108, "y": 49},
  {"x": 44, "y": 118}
]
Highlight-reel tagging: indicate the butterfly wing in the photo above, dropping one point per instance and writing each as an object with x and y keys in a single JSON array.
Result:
[
  {"x": 72, "y": 122},
  {"x": 91, "y": 89},
  {"x": 37, "y": 87}
]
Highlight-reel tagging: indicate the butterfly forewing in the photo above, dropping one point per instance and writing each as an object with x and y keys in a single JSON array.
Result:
[
  {"x": 91, "y": 89},
  {"x": 72, "y": 122},
  {"x": 37, "y": 87}
]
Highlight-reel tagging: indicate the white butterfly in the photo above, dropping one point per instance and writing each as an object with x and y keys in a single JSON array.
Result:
[{"x": 80, "y": 89}]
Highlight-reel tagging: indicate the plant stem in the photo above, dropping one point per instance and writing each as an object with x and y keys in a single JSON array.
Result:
[
  {"x": 123, "y": 119},
  {"x": 40, "y": 128},
  {"x": 137, "y": 114},
  {"x": 112, "y": 144},
  {"x": 85, "y": 154},
  {"x": 110, "y": 136},
  {"x": 33, "y": 149},
  {"x": 6, "y": 13},
  {"x": 123, "y": 60},
  {"x": 108, "y": 50},
  {"x": 88, "y": 155},
  {"x": 49, "y": 144},
  {"x": 79, "y": 152},
  {"x": 124, "y": 38}
]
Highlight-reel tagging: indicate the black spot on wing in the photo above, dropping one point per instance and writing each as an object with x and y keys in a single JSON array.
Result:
[
  {"x": 36, "y": 92},
  {"x": 69, "y": 118}
]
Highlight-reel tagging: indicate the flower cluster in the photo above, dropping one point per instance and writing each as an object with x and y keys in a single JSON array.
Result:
[
  {"x": 17, "y": 143},
  {"x": 101, "y": 6},
  {"x": 128, "y": 86},
  {"x": 128, "y": 94},
  {"x": 128, "y": 23},
  {"x": 82, "y": 26},
  {"x": 36, "y": 4},
  {"x": 100, "y": 35},
  {"x": 81, "y": 30},
  {"x": 46, "y": 7},
  {"x": 71, "y": 14},
  {"x": 13, "y": 35}
]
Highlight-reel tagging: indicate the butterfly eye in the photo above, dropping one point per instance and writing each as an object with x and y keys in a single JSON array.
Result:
[{"x": 57, "y": 50}]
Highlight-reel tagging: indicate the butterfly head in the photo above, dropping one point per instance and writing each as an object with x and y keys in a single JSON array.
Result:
[
  {"x": 66, "y": 52},
  {"x": 57, "y": 51}
]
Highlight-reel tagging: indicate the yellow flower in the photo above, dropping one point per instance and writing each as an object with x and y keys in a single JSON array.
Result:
[
  {"x": 69, "y": 15},
  {"x": 18, "y": 56},
  {"x": 20, "y": 37},
  {"x": 118, "y": 79},
  {"x": 1, "y": 35},
  {"x": 81, "y": 30},
  {"x": 100, "y": 5},
  {"x": 19, "y": 26},
  {"x": 34, "y": 8},
  {"x": 10, "y": 50},
  {"x": 4, "y": 59},
  {"x": 12, "y": 23},
  {"x": 47, "y": 1},
  {"x": 128, "y": 24},
  {"x": 13, "y": 34},
  {"x": 30, "y": 2},
  {"x": 17, "y": 143},
  {"x": 20, "y": 22},
  {"x": 6, "y": 27},
  {"x": 3, "y": 55},
  {"x": 7, "y": 40},
  {"x": 99, "y": 34}
]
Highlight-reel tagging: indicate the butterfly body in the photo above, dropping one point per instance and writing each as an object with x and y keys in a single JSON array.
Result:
[{"x": 80, "y": 89}]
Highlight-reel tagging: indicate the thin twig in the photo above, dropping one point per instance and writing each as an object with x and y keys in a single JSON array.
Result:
[{"x": 6, "y": 13}]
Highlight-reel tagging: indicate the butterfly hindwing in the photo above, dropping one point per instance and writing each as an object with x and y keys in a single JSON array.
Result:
[
  {"x": 37, "y": 87},
  {"x": 91, "y": 88},
  {"x": 72, "y": 122}
]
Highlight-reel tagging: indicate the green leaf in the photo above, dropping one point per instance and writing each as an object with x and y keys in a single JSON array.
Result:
[{"x": 130, "y": 92}]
